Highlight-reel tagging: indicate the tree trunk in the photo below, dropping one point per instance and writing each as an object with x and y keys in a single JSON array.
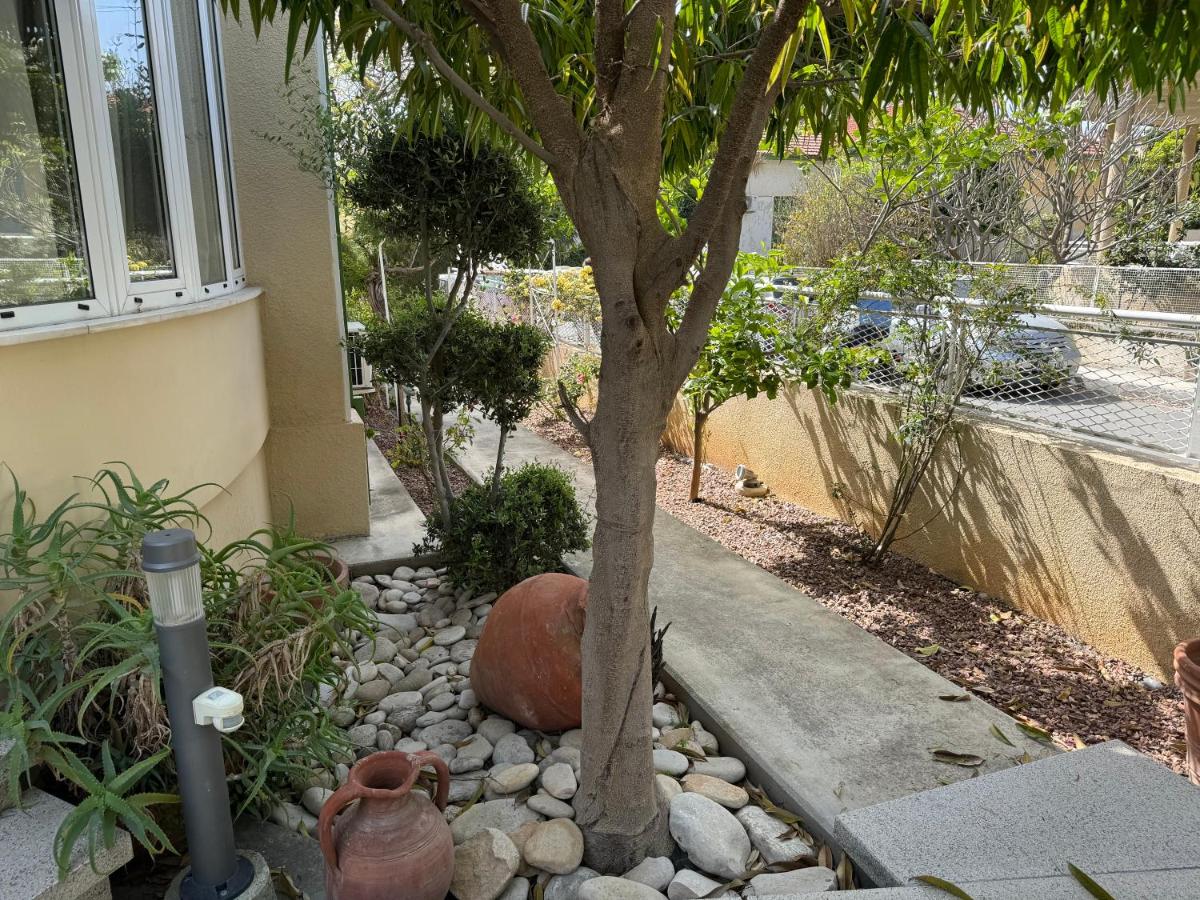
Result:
[
  {"x": 617, "y": 805},
  {"x": 433, "y": 447},
  {"x": 499, "y": 470},
  {"x": 699, "y": 422}
]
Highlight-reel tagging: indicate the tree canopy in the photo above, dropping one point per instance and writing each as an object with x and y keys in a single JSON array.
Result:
[{"x": 846, "y": 59}]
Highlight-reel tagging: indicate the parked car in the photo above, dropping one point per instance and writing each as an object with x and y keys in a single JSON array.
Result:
[{"x": 1039, "y": 354}]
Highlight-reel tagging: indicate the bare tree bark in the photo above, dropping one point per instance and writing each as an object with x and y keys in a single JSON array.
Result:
[
  {"x": 499, "y": 469},
  {"x": 617, "y": 804},
  {"x": 1183, "y": 178},
  {"x": 699, "y": 423}
]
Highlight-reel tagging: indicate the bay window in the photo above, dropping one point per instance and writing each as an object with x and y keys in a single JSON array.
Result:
[{"x": 116, "y": 182}]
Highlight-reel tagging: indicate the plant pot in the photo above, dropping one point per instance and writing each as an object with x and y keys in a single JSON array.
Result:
[
  {"x": 1187, "y": 677},
  {"x": 527, "y": 665},
  {"x": 339, "y": 573},
  {"x": 391, "y": 844}
]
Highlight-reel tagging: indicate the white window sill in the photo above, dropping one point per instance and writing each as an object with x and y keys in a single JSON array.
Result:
[{"x": 128, "y": 320}]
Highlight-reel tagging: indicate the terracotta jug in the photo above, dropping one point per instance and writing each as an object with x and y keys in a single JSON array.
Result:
[
  {"x": 527, "y": 665},
  {"x": 1187, "y": 676},
  {"x": 393, "y": 844}
]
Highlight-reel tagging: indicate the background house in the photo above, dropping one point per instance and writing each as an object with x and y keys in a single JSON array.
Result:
[{"x": 169, "y": 288}]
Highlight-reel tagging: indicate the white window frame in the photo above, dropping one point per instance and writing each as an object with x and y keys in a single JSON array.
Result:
[{"x": 114, "y": 291}]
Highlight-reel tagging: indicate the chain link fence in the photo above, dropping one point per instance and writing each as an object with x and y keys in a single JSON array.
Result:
[
  {"x": 1111, "y": 353},
  {"x": 493, "y": 298},
  {"x": 1126, "y": 288}
]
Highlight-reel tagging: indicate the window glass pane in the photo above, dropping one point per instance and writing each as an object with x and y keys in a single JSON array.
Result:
[
  {"x": 202, "y": 172},
  {"x": 129, "y": 83},
  {"x": 43, "y": 257},
  {"x": 219, "y": 68}
]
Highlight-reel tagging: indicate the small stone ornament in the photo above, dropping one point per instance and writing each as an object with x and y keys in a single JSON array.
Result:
[{"x": 747, "y": 483}]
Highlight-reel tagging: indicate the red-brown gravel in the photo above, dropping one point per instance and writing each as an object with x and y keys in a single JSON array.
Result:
[{"x": 1030, "y": 668}]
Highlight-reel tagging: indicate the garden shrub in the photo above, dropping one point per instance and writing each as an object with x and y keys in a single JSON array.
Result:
[
  {"x": 522, "y": 530},
  {"x": 80, "y": 691},
  {"x": 577, "y": 377}
]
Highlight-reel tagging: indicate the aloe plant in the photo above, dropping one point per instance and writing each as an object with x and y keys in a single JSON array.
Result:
[{"x": 80, "y": 675}]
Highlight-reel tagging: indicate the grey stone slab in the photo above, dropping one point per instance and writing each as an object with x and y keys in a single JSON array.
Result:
[
  {"x": 6, "y": 747},
  {"x": 1107, "y": 809},
  {"x": 1183, "y": 884},
  {"x": 396, "y": 523},
  {"x": 827, "y": 716},
  {"x": 27, "y": 867},
  {"x": 290, "y": 851},
  {"x": 261, "y": 887}
]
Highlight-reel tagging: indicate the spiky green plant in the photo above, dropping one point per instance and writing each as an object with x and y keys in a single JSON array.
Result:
[{"x": 79, "y": 667}]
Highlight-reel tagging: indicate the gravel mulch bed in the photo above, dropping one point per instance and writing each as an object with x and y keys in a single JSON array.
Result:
[
  {"x": 382, "y": 420},
  {"x": 1032, "y": 669}
]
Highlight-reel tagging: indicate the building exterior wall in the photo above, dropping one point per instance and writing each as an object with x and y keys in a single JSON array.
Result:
[
  {"x": 247, "y": 392},
  {"x": 770, "y": 178},
  {"x": 184, "y": 398},
  {"x": 316, "y": 450},
  {"x": 1101, "y": 543}
]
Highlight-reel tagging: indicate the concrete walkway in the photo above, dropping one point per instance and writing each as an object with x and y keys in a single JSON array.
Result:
[
  {"x": 828, "y": 717},
  {"x": 397, "y": 523}
]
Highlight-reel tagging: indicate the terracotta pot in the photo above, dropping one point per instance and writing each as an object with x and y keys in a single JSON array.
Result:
[
  {"x": 392, "y": 844},
  {"x": 339, "y": 572},
  {"x": 527, "y": 665},
  {"x": 1187, "y": 676}
]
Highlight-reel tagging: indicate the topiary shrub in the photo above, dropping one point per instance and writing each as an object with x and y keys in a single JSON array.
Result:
[{"x": 496, "y": 539}]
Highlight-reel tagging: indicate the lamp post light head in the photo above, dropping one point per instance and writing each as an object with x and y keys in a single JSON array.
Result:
[{"x": 171, "y": 561}]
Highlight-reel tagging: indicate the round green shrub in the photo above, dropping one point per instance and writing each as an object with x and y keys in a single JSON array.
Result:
[{"x": 521, "y": 529}]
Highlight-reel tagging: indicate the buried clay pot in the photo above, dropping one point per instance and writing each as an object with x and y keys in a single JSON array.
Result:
[
  {"x": 392, "y": 844},
  {"x": 338, "y": 574},
  {"x": 1187, "y": 677},
  {"x": 527, "y": 665}
]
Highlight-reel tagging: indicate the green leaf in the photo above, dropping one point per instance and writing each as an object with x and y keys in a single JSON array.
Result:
[
  {"x": 941, "y": 883},
  {"x": 1000, "y": 735},
  {"x": 929, "y": 650},
  {"x": 1089, "y": 883},
  {"x": 1038, "y": 734}
]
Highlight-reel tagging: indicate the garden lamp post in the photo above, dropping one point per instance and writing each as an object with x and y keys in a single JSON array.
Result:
[{"x": 197, "y": 711}]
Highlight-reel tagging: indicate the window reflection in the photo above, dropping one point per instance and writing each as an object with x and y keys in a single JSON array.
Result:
[
  {"x": 133, "y": 113},
  {"x": 43, "y": 255}
]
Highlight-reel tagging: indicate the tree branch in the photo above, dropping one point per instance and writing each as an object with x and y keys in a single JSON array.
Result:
[
  {"x": 422, "y": 40},
  {"x": 514, "y": 41},
  {"x": 692, "y": 333},
  {"x": 582, "y": 425},
  {"x": 739, "y": 141},
  {"x": 610, "y": 46}
]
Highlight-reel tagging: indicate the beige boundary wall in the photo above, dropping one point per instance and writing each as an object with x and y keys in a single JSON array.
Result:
[{"x": 1104, "y": 544}]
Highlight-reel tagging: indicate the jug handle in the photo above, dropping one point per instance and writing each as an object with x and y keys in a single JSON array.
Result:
[
  {"x": 425, "y": 758},
  {"x": 339, "y": 800}
]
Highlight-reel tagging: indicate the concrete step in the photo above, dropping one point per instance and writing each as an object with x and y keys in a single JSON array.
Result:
[
  {"x": 1121, "y": 817},
  {"x": 396, "y": 523},
  {"x": 1178, "y": 885},
  {"x": 27, "y": 867}
]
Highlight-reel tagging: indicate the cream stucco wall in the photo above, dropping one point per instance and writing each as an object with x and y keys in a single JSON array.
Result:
[
  {"x": 183, "y": 399},
  {"x": 316, "y": 450},
  {"x": 1101, "y": 543},
  {"x": 249, "y": 392}
]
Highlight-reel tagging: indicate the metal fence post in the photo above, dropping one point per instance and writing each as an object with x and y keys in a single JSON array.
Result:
[{"x": 1194, "y": 438}]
